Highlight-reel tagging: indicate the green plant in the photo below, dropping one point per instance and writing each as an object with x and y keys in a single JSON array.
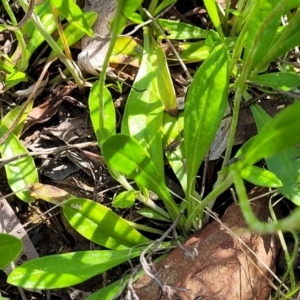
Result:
[{"x": 235, "y": 57}]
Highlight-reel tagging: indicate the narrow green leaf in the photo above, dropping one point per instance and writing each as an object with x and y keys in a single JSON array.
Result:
[
  {"x": 22, "y": 172},
  {"x": 285, "y": 165},
  {"x": 36, "y": 39},
  {"x": 64, "y": 270},
  {"x": 261, "y": 177},
  {"x": 280, "y": 133},
  {"x": 164, "y": 82},
  {"x": 162, "y": 6},
  {"x": 211, "y": 7},
  {"x": 125, "y": 154},
  {"x": 287, "y": 40},
  {"x": 124, "y": 199},
  {"x": 204, "y": 109},
  {"x": 108, "y": 114},
  {"x": 10, "y": 248},
  {"x": 279, "y": 80},
  {"x": 181, "y": 31},
  {"x": 99, "y": 224},
  {"x": 72, "y": 12}
]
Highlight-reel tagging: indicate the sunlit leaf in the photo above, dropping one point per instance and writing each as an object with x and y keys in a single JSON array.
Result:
[
  {"x": 101, "y": 225},
  {"x": 64, "y": 270},
  {"x": 21, "y": 172},
  {"x": 124, "y": 199},
  {"x": 108, "y": 113},
  {"x": 125, "y": 154},
  {"x": 205, "y": 106},
  {"x": 260, "y": 176}
]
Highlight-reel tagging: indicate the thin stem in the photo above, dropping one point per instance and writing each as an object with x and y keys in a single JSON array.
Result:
[{"x": 197, "y": 212}]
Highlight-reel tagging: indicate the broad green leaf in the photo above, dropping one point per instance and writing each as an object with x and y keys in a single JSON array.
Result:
[
  {"x": 179, "y": 30},
  {"x": 125, "y": 154},
  {"x": 108, "y": 113},
  {"x": 205, "y": 106},
  {"x": 212, "y": 11},
  {"x": 279, "y": 80},
  {"x": 142, "y": 118},
  {"x": 164, "y": 83},
  {"x": 280, "y": 133},
  {"x": 72, "y": 12},
  {"x": 260, "y": 176},
  {"x": 10, "y": 248},
  {"x": 21, "y": 172},
  {"x": 286, "y": 164},
  {"x": 149, "y": 213},
  {"x": 72, "y": 33},
  {"x": 64, "y": 270},
  {"x": 124, "y": 199},
  {"x": 101, "y": 225}
]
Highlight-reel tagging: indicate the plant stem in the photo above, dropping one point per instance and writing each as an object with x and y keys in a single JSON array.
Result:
[{"x": 197, "y": 212}]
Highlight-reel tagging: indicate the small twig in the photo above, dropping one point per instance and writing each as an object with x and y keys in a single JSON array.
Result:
[{"x": 4, "y": 161}]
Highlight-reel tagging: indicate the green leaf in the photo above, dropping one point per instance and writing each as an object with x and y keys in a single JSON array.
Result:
[
  {"x": 108, "y": 113},
  {"x": 10, "y": 248},
  {"x": 21, "y": 172},
  {"x": 280, "y": 133},
  {"x": 72, "y": 33},
  {"x": 14, "y": 78},
  {"x": 125, "y": 154},
  {"x": 36, "y": 39},
  {"x": 99, "y": 224},
  {"x": 180, "y": 31},
  {"x": 279, "y": 80},
  {"x": 63, "y": 270},
  {"x": 142, "y": 118},
  {"x": 125, "y": 199},
  {"x": 288, "y": 39},
  {"x": 11, "y": 116},
  {"x": 72, "y": 12},
  {"x": 149, "y": 213},
  {"x": 164, "y": 82},
  {"x": 285, "y": 165},
  {"x": 205, "y": 106},
  {"x": 162, "y": 6},
  {"x": 261, "y": 177},
  {"x": 125, "y": 8},
  {"x": 211, "y": 7}
]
